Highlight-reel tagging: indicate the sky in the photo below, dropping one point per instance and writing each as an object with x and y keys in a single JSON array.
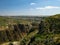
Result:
[{"x": 29, "y": 7}]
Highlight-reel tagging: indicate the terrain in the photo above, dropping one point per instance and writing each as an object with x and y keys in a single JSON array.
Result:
[{"x": 25, "y": 30}]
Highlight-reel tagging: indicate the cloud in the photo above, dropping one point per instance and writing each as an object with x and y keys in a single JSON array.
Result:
[
  {"x": 32, "y": 3},
  {"x": 48, "y": 7}
]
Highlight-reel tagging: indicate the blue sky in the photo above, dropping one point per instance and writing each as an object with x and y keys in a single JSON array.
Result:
[{"x": 29, "y": 7}]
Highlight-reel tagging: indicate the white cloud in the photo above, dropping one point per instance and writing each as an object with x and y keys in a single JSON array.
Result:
[
  {"x": 32, "y": 3},
  {"x": 48, "y": 7}
]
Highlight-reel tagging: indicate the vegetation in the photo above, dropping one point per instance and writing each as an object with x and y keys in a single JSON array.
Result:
[{"x": 30, "y": 31}]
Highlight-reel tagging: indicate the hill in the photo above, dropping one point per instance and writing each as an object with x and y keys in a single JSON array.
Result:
[{"x": 30, "y": 31}]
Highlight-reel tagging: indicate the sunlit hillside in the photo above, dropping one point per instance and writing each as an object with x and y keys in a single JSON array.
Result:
[{"x": 30, "y": 31}]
